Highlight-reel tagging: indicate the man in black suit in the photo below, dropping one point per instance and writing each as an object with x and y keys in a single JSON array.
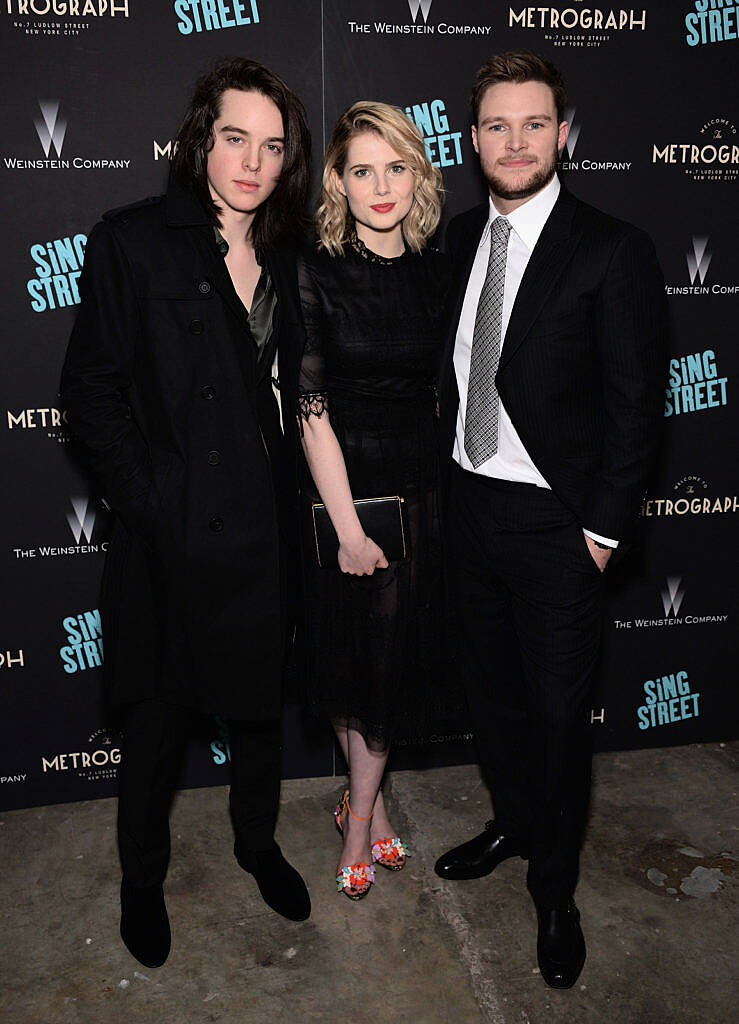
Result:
[{"x": 551, "y": 400}]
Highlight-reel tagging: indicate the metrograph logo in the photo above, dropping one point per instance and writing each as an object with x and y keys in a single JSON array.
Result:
[
  {"x": 712, "y": 154},
  {"x": 576, "y": 24},
  {"x": 44, "y": 418},
  {"x": 691, "y": 495},
  {"x": 61, "y": 18},
  {"x": 567, "y": 161},
  {"x": 51, "y": 134},
  {"x": 97, "y": 760}
]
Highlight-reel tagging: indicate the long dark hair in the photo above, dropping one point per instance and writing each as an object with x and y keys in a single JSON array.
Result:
[{"x": 283, "y": 215}]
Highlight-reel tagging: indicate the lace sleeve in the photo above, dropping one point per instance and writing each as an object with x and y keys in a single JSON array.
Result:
[
  {"x": 312, "y": 403},
  {"x": 312, "y": 390}
]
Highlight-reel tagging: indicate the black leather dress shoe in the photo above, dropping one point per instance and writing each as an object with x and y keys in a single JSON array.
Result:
[
  {"x": 480, "y": 855},
  {"x": 560, "y": 945},
  {"x": 145, "y": 924},
  {"x": 281, "y": 886}
]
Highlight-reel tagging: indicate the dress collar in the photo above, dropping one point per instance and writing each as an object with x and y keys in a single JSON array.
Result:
[{"x": 356, "y": 243}]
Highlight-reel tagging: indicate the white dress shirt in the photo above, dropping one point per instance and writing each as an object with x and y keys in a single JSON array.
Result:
[{"x": 511, "y": 461}]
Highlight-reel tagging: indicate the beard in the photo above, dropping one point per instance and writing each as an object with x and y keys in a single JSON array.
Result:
[{"x": 507, "y": 189}]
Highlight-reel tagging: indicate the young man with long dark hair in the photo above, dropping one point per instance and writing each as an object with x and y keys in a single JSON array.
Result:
[{"x": 189, "y": 303}]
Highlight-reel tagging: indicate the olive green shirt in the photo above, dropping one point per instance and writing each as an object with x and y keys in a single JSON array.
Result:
[{"x": 261, "y": 314}]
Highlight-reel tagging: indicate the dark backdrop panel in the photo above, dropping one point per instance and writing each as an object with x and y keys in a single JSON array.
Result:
[{"x": 92, "y": 102}]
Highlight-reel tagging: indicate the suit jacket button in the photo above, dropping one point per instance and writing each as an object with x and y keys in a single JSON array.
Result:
[
  {"x": 216, "y": 524},
  {"x": 208, "y": 392},
  {"x": 196, "y": 327},
  {"x": 214, "y": 458},
  {"x": 204, "y": 287}
]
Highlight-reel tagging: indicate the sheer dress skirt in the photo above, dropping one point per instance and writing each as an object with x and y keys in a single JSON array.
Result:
[{"x": 375, "y": 642}]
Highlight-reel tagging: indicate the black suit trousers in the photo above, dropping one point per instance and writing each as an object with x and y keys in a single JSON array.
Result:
[
  {"x": 528, "y": 599},
  {"x": 155, "y": 734}
]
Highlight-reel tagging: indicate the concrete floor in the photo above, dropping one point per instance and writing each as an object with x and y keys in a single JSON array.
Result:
[{"x": 657, "y": 895}]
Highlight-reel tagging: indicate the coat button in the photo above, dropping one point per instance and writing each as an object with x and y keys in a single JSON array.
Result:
[
  {"x": 204, "y": 287},
  {"x": 208, "y": 392},
  {"x": 216, "y": 524},
  {"x": 196, "y": 327},
  {"x": 214, "y": 458}
]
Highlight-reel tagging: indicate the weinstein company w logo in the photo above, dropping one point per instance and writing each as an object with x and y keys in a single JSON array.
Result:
[
  {"x": 424, "y": 6},
  {"x": 81, "y": 521},
  {"x": 672, "y": 595},
  {"x": 50, "y": 128},
  {"x": 51, "y": 131},
  {"x": 419, "y": 24},
  {"x": 567, "y": 163},
  {"x": 698, "y": 259}
]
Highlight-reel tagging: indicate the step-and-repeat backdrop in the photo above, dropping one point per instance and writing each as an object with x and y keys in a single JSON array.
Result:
[{"x": 93, "y": 91}]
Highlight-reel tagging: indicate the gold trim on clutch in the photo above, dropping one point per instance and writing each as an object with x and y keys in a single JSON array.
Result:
[{"x": 359, "y": 501}]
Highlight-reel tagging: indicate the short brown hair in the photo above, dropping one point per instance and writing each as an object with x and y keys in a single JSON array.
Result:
[{"x": 517, "y": 66}]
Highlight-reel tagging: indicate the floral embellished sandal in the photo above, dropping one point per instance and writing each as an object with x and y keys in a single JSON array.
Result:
[
  {"x": 354, "y": 880},
  {"x": 390, "y": 852}
]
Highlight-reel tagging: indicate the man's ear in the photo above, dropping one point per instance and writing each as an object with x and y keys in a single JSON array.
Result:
[
  {"x": 562, "y": 135},
  {"x": 474, "y": 138}
]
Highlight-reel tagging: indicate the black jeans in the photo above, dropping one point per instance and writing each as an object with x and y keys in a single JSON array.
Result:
[
  {"x": 155, "y": 734},
  {"x": 528, "y": 599}
]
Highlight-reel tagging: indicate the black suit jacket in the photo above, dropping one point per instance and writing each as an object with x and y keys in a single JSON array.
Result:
[{"x": 583, "y": 363}]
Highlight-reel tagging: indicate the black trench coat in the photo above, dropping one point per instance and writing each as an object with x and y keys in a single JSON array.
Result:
[{"x": 177, "y": 420}]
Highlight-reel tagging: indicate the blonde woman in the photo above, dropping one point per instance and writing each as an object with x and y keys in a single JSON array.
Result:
[{"x": 372, "y": 298}]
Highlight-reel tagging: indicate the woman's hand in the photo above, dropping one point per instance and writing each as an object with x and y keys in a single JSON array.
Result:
[{"x": 360, "y": 556}]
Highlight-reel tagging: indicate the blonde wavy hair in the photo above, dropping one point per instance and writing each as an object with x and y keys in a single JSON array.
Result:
[{"x": 392, "y": 125}]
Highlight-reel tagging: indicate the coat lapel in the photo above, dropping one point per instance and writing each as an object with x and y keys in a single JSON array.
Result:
[
  {"x": 220, "y": 277},
  {"x": 551, "y": 254},
  {"x": 184, "y": 210}
]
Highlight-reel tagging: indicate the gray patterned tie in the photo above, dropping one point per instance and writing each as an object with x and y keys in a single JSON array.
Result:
[{"x": 481, "y": 419}]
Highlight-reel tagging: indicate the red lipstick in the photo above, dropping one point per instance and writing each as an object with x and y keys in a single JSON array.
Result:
[{"x": 382, "y": 207}]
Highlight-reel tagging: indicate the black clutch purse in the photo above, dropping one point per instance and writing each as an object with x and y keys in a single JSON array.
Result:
[{"x": 383, "y": 519}]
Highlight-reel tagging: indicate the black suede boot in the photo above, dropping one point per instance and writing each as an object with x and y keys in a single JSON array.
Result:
[
  {"x": 281, "y": 886},
  {"x": 145, "y": 924}
]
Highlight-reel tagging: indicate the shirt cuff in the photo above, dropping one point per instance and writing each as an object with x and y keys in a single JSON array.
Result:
[{"x": 603, "y": 540}]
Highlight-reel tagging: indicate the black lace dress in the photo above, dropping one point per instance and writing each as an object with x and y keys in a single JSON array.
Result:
[{"x": 373, "y": 330}]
